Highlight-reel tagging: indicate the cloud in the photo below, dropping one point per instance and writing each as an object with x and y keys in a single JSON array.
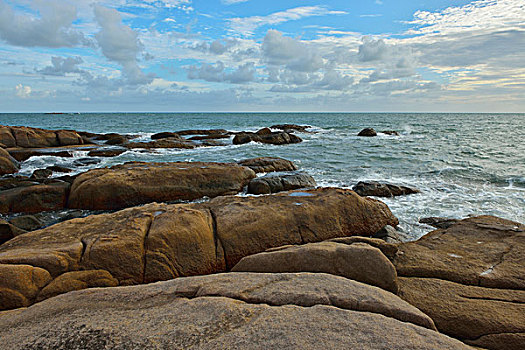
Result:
[
  {"x": 52, "y": 29},
  {"x": 295, "y": 55},
  {"x": 216, "y": 47},
  {"x": 61, "y": 66},
  {"x": 247, "y": 25},
  {"x": 217, "y": 73},
  {"x": 23, "y": 91},
  {"x": 120, "y": 43}
]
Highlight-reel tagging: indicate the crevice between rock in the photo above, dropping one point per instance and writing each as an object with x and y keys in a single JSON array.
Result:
[
  {"x": 144, "y": 247},
  {"x": 217, "y": 240}
]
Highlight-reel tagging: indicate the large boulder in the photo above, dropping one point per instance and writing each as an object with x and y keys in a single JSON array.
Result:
[
  {"x": 274, "y": 138},
  {"x": 268, "y": 164},
  {"x": 227, "y": 311},
  {"x": 378, "y": 189},
  {"x": 20, "y": 284},
  {"x": 8, "y": 165},
  {"x": 34, "y": 199},
  {"x": 136, "y": 183},
  {"x": 470, "y": 279},
  {"x": 367, "y": 132},
  {"x": 357, "y": 261},
  {"x": 25, "y": 137},
  {"x": 278, "y": 183},
  {"x": 159, "y": 241}
]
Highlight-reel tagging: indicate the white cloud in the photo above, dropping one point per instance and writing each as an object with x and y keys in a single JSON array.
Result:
[
  {"x": 23, "y": 91},
  {"x": 247, "y": 25},
  {"x": 120, "y": 43},
  {"x": 53, "y": 28},
  {"x": 217, "y": 73}
]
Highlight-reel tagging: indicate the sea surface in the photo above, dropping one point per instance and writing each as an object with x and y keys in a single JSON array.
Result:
[{"x": 464, "y": 164}]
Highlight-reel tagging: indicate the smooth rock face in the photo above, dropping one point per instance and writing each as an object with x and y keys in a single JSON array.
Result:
[
  {"x": 470, "y": 279},
  {"x": 374, "y": 188},
  {"x": 138, "y": 182},
  {"x": 268, "y": 164},
  {"x": 227, "y": 311},
  {"x": 20, "y": 284},
  {"x": 279, "y": 183},
  {"x": 159, "y": 241},
  {"x": 358, "y": 261},
  {"x": 34, "y": 199}
]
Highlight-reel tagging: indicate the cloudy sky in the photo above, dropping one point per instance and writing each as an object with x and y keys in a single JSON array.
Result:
[{"x": 260, "y": 55}]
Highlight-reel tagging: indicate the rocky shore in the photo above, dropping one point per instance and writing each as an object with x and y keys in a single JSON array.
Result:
[{"x": 168, "y": 255}]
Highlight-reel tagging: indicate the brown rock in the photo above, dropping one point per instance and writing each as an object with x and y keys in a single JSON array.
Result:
[
  {"x": 227, "y": 311},
  {"x": 117, "y": 140},
  {"x": 247, "y": 226},
  {"x": 59, "y": 169},
  {"x": 274, "y": 138},
  {"x": 202, "y": 132},
  {"x": 374, "y": 188},
  {"x": 285, "y": 127},
  {"x": 268, "y": 164},
  {"x": 165, "y": 135},
  {"x": 278, "y": 183},
  {"x": 68, "y": 137},
  {"x": 368, "y": 132},
  {"x": 8, "y": 164},
  {"x": 34, "y": 199},
  {"x": 209, "y": 137},
  {"x": 8, "y": 231},
  {"x": 160, "y": 241},
  {"x": 469, "y": 279},
  {"x": 106, "y": 152},
  {"x": 264, "y": 131},
  {"x": 41, "y": 174},
  {"x": 26, "y": 222},
  {"x": 6, "y": 137},
  {"x": 137, "y": 183},
  {"x": 163, "y": 143},
  {"x": 77, "y": 280},
  {"x": 388, "y": 249},
  {"x": 438, "y": 222},
  {"x": 22, "y": 154},
  {"x": 359, "y": 261},
  {"x": 19, "y": 285}
]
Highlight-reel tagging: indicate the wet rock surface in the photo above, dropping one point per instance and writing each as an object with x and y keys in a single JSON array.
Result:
[
  {"x": 278, "y": 183},
  {"x": 378, "y": 189}
]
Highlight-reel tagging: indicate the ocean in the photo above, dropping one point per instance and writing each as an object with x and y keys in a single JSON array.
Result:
[{"x": 464, "y": 164}]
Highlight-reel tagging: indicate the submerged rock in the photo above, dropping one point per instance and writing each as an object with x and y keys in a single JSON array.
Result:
[
  {"x": 278, "y": 183},
  {"x": 374, "y": 188},
  {"x": 106, "y": 152},
  {"x": 438, "y": 222},
  {"x": 469, "y": 279},
  {"x": 369, "y": 132},
  {"x": 268, "y": 164},
  {"x": 136, "y": 183},
  {"x": 41, "y": 174},
  {"x": 227, "y": 311},
  {"x": 390, "y": 132}
]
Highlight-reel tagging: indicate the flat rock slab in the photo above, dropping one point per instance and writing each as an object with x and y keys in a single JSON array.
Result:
[
  {"x": 159, "y": 241},
  {"x": 136, "y": 183},
  {"x": 470, "y": 278},
  {"x": 233, "y": 311},
  {"x": 357, "y": 261},
  {"x": 268, "y": 164},
  {"x": 378, "y": 189}
]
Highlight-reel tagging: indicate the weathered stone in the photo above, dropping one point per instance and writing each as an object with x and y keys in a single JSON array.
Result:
[
  {"x": 163, "y": 143},
  {"x": 22, "y": 154},
  {"x": 374, "y": 188},
  {"x": 227, "y": 311},
  {"x": 165, "y": 135},
  {"x": 8, "y": 165},
  {"x": 26, "y": 222},
  {"x": 202, "y": 132},
  {"x": 209, "y": 137},
  {"x": 19, "y": 285},
  {"x": 6, "y": 137},
  {"x": 68, "y": 137},
  {"x": 33, "y": 199},
  {"x": 41, "y": 174},
  {"x": 274, "y": 138},
  {"x": 438, "y": 222},
  {"x": 388, "y": 249},
  {"x": 77, "y": 280},
  {"x": 359, "y": 261},
  {"x": 369, "y": 132},
  {"x": 268, "y": 164},
  {"x": 137, "y": 183},
  {"x": 159, "y": 241},
  {"x": 9, "y": 231},
  {"x": 59, "y": 169},
  {"x": 86, "y": 161},
  {"x": 117, "y": 140},
  {"x": 7, "y": 183},
  {"x": 250, "y": 225},
  {"x": 390, "y": 132},
  {"x": 278, "y": 183},
  {"x": 113, "y": 152},
  {"x": 470, "y": 279}
]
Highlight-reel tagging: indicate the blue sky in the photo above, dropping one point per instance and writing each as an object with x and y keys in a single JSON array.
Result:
[{"x": 254, "y": 55}]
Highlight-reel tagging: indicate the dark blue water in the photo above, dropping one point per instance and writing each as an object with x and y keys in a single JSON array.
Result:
[{"x": 465, "y": 164}]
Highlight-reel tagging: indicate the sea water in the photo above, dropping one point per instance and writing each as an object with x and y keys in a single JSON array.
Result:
[{"x": 464, "y": 164}]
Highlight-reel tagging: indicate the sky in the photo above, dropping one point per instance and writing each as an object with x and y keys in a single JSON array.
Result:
[{"x": 262, "y": 56}]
